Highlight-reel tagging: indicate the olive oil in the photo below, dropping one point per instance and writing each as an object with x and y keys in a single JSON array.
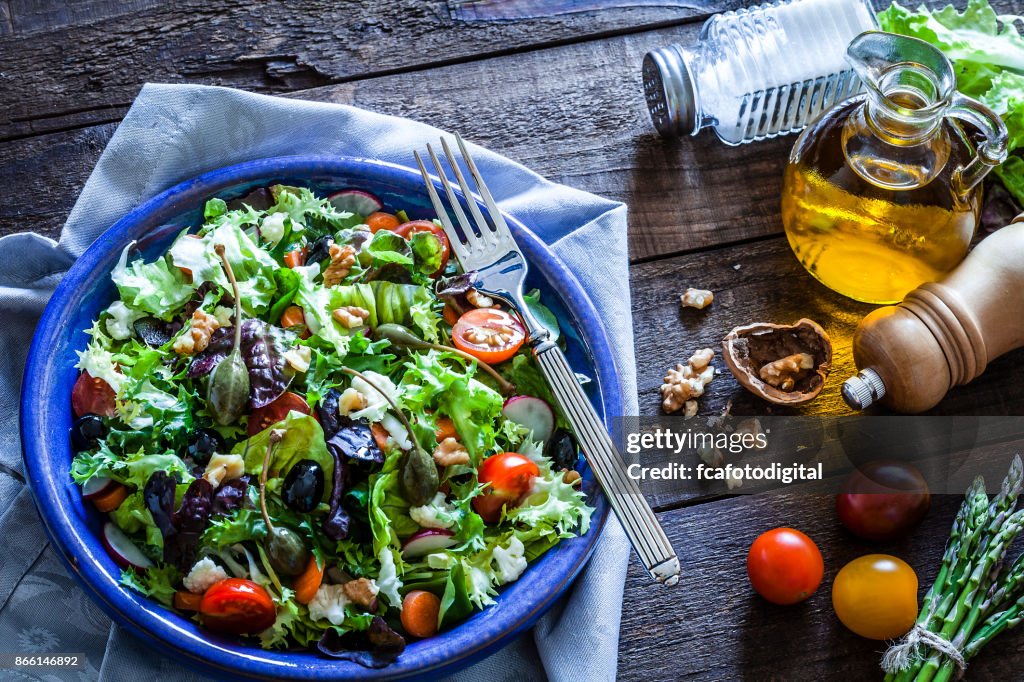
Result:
[{"x": 870, "y": 228}]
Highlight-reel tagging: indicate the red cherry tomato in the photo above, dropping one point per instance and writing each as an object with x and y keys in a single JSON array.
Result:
[
  {"x": 883, "y": 500},
  {"x": 489, "y": 335},
  {"x": 406, "y": 230},
  {"x": 237, "y": 607},
  {"x": 510, "y": 476},
  {"x": 92, "y": 396},
  {"x": 785, "y": 566},
  {"x": 268, "y": 415}
]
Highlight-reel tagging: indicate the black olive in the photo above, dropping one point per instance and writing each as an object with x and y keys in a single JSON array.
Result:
[
  {"x": 86, "y": 432},
  {"x": 203, "y": 444},
  {"x": 303, "y": 486},
  {"x": 321, "y": 250},
  {"x": 152, "y": 331},
  {"x": 562, "y": 450}
]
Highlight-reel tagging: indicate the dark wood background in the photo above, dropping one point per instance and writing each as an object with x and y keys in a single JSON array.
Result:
[{"x": 555, "y": 85}]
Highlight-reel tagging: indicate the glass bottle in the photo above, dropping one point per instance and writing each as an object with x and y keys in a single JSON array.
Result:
[
  {"x": 757, "y": 72},
  {"x": 882, "y": 193}
]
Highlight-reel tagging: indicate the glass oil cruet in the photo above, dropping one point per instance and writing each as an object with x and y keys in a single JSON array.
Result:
[{"x": 883, "y": 193}]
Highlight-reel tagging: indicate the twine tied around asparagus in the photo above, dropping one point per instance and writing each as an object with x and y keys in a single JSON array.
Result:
[{"x": 900, "y": 656}]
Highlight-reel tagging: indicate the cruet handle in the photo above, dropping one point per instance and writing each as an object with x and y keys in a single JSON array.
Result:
[{"x": 991, "y": 151}]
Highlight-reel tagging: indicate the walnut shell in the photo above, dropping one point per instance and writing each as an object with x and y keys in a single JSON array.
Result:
[{"x": 748, "y": 348}]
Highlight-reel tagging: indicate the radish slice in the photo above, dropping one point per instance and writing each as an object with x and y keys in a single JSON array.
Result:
[
  {"x": 426, "y": 541},
  {"x": 533, "y": 413},
  {"x": 356, "y": 201},
  {"x": 96, "y": 486},
  {"x": 122, "y": 550}
]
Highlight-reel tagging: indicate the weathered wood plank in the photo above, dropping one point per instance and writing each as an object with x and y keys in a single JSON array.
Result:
[
  {"x": 712, "y": 626},
  {"x": 762, "y": 282},
  {"x": 682, "y": 195},
  {"x": 96, "y": 55}
]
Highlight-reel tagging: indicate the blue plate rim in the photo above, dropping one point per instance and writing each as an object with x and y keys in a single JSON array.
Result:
[{"x": 83, "y": 564}]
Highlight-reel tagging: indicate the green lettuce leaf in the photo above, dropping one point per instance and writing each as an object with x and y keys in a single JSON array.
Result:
[
  {"x": 303, "y": 439},
  {"x": 159, "y": 287},
  {"x": 156, "y": 582}
]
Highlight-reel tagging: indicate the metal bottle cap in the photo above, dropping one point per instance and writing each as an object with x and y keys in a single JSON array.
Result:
[
  {"x": 862, "y": 390},
  {"x": 668, "y": 86}
]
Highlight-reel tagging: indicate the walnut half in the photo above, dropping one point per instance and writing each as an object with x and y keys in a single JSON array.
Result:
[
  {"x": 784, "y": 372},
  {"x": 696, "y": 298}
]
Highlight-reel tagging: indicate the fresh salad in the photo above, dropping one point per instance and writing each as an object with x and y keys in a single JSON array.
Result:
[{"x": 304, "y": 427}]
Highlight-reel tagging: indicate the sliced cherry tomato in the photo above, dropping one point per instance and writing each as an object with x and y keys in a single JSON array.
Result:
[
  {"x": 406, "y": 230},
  {"x": 92, "y": 396},
  {"x": 450, "y": 315},
  {"x": 876, "y": 596},
  {"x": 510, "y": 476},
  {"x": 268, "y": 415},
  {"x": 381, "y": 221},
  {"x": 187, "y": 601},
  {"x": 785, "y": 566},
  {"x": 489, "y": 335},
  {"x": 238, "y": 607},
  {"x": 296, "y": 258}
]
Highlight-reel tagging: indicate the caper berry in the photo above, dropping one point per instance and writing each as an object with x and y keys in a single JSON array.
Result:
[{"x": 286, "y": 551}]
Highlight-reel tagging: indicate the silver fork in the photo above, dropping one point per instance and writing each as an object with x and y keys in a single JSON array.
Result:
[{"x": 496, "y": 267}]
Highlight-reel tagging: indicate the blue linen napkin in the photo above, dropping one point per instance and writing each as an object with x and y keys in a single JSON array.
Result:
[{"x": 173, "y": 133}]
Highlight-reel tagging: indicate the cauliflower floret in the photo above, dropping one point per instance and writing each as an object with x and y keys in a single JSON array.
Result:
[
  {"x": 434, "y": 514},
  {"x": 376, "y": 404},
  {"x": 204, "y": 575},
  {"x": 329, "y": 603},
  {"x": 272, "y": 227},
  {"x": 510, "y": 561},
  {"x": 119, "y": 324}
]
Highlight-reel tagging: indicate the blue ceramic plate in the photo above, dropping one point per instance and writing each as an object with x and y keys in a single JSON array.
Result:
[{"x": 74, "y": 527}]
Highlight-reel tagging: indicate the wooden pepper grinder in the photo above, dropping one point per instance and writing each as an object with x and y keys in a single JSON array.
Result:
[{"x": 944, "y": 333}]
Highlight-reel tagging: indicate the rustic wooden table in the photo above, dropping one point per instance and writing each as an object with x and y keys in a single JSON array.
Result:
[{"x": 555, "y": 85}]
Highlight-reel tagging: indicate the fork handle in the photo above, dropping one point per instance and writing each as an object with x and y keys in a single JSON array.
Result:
[{"x": 637, "y": 517}]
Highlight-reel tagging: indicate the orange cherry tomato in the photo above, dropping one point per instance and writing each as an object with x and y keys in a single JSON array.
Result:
[
  {"x": 308, "y": 582},
  {"x": 296, "y": 258},
  {"x": 237, "y": 606},
  {"x": 785, "y": 566},
  {"x": 876, "y": 596},
  {"x": 92, "y": 396},
  {"x": 381, "y": 221},
  {"x": 268, "y": 415},
  {"x": 510, "y": 476},
  {"x": 489, "y": 335},
  {"x": 410, "y": 228},
  {"x": 420, "y": 612}
]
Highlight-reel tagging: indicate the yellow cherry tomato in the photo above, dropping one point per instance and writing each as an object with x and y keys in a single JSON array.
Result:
[{"x": 876, "y": 596}]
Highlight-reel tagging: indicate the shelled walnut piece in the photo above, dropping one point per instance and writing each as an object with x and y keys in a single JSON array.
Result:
[
  {"x": 784, "y": 372},
  {"x": 342, "y": 260},
  {"x": 685, "y": 383},
  {"x": 786, "y": 364},
  {"x": 196, "y": 339},
  {"x": 696, "y": 298}
]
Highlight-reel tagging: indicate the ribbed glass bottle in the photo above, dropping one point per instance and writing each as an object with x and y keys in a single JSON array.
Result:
[{"x": 757, "y": 72}]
